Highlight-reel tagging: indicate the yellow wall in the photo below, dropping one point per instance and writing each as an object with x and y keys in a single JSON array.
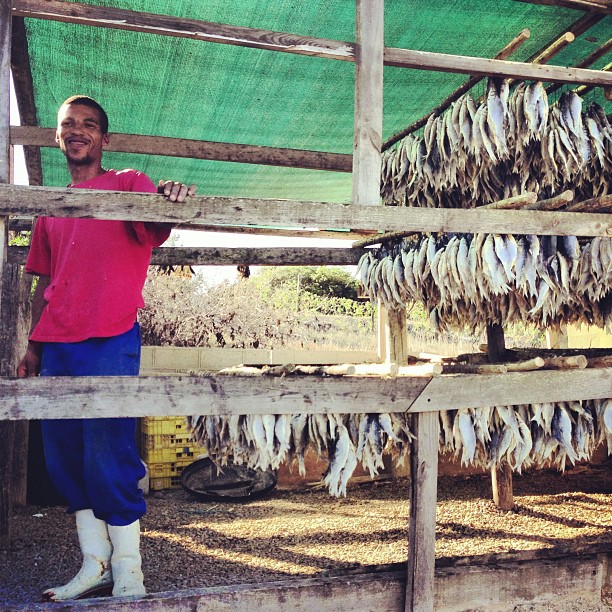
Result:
[{"x": 583, "y": 336}]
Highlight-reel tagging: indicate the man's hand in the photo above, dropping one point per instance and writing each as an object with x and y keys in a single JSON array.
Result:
[
  {"x": 175, "y": 191},
  {"x": 30, "y": 364}
]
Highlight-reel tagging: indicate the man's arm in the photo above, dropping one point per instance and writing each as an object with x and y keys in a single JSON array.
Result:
[{"x": 30, "y": 364}]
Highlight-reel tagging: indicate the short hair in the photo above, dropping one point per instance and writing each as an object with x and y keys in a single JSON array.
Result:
[{"x": 87, "y": 101}]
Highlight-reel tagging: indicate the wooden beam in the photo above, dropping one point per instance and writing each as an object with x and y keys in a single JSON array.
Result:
[
  {"x": 594, "y": 6},
  {"x": 24, "y": 93},
  {"x": 87, "y": 14},
  {"x": 586, "y": 62},
  {"x": 584, "y": 89},
  {"x": 222, "y": 212},
  {"x": 215, "y": 256},
  {"x": 477, "y": 66},
  {"x": 93, "y": 397},
  {"x": 198, "y": 149},
  {"x": 165, "y": 25},
  {"x": 24, "y": 224}
]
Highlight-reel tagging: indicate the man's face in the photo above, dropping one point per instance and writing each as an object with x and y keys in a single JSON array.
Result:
[{"x": 79, "y": 134}]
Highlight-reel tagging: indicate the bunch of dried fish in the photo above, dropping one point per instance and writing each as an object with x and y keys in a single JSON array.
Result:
[
  {"x": 266, "y": 441},
  {"x": 529, "y": 435},
  {"x": 472, "y": 280},
  {"x": 507, "y": 145}
]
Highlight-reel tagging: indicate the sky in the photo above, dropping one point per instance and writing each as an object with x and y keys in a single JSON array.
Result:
[{"x": 189, "y": 238}]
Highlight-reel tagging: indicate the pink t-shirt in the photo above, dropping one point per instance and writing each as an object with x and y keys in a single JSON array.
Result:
[{"x": 97, "y": 267}]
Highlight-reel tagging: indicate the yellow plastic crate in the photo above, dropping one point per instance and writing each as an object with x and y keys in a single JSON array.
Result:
[
  {"x": 166, "y": 475},
  {"x": 169, "y": 454},
  {"x": 155, "y": 426},
  {"x": 165, "y": 439}
]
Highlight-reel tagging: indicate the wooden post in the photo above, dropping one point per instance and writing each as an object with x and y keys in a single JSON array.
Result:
[
  {"x": 366, "y": 190},
  {"x": 367, "y": 141},
  {"x": 423, "y": 498},
  {"x": 7, "y": 428},
  {"x": 14, "y": 328},
  {"x": 501, "y": 476}
]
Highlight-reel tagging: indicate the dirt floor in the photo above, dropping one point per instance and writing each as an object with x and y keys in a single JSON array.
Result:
[{"x": 303, "y": 532}]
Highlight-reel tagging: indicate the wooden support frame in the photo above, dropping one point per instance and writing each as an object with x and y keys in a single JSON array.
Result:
[
  {"x": 504, "y": 53},
  {"x": 87, "y": 397}
]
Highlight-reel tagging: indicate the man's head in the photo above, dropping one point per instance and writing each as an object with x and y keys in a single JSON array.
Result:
[
  {"x": 87, "y": 101},
  {"x": 82, "y": 130}
]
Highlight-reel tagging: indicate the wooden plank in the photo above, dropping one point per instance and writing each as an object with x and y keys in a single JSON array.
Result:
[
  {"x": 422, "y": 526},
  {"x": 164, "y": 25},
  {"x": 596, "y": 6},
  {"x": 500, "y": 584},
  {"x": 67, "y": 397},
  {"x": 197, "y": 149},
  {"x": 208, "y": 256},
  {"x": 24, "y": 93},
  {"x": 477, "y": 66},
  {"x": 223, "y": 211},
  {"x": 72, "y": 12},
  {"x": 21, "y": 223},
  {"x": 513, "y": 388}
]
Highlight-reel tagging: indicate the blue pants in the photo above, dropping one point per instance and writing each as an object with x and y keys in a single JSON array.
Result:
[{"x": 94, "y": 463}]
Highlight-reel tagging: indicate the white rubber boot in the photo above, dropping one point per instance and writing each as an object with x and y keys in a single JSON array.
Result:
[
  {"x": 95, "y": 576},
  {"x": 125, "y": 560}
]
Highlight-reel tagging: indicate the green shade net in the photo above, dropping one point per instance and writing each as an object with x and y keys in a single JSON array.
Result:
[{"x": 176, "y": 87}]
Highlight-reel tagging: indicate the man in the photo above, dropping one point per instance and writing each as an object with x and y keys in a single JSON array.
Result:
[{"x": 84, "y": 323}]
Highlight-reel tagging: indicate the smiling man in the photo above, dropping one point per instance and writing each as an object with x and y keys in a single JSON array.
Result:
[{"x": 84, "y": 323}]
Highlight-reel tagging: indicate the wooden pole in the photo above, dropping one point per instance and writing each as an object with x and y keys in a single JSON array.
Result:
[
  {"x": 7, "y": 428},
  {"x": 501, "y": 476},
  {"x": 592, "y": 205}
]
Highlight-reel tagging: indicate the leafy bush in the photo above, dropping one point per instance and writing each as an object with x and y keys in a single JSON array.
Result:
[
  {"x": 326, "y": 290},
  {"x": 185, "y": 312}
]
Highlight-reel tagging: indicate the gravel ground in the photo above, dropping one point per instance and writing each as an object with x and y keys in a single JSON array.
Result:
[{"x": 303, "y": 532}]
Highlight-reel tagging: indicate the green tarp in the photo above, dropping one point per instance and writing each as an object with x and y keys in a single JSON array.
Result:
[{"x": 158, "y": 85}]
